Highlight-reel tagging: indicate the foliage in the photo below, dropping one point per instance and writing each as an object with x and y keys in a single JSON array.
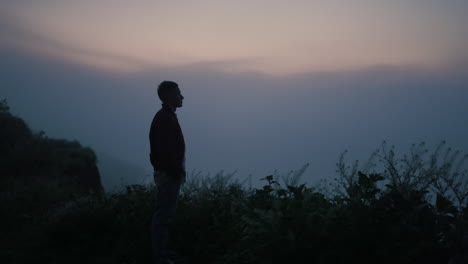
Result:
[
  {"x": 37, "y": 173},
  {"x": 220, "y": 221},
  {"x": 29, "y": 159},
  {"x": 409, "y": 209}
]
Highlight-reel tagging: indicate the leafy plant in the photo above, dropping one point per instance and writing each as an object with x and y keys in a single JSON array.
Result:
[{"x": 394, "y": 209}]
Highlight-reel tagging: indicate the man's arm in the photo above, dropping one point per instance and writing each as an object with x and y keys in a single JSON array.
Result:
[{"x": 165, "y": 149}]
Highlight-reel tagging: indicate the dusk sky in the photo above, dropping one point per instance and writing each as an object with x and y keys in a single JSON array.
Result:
[
  {"x": 267, "y": 84},
  {"x": 276, "y": 37}
]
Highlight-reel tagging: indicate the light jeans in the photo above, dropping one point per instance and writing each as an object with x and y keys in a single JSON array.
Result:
[{"x": 166, "y": 195}]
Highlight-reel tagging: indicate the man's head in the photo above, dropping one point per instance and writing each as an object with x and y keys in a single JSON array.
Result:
[{"x": 169, "y": 93}]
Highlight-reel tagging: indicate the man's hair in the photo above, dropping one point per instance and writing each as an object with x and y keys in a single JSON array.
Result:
[{"x": 165, "y": 88}]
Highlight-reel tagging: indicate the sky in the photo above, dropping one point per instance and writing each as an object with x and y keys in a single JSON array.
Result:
[
  {"x": 270, "y": 36},
  {"x": 268, "y": 85}
]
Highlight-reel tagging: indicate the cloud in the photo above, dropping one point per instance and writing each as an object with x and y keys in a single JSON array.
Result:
[
  {"x": 21, "y": 38},
  {"x": 287, "y": 39},
  {"x": 254, "y": 123}
]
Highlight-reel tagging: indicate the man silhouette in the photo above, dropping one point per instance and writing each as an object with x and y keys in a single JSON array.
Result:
[{"x": 168, "y": 159}]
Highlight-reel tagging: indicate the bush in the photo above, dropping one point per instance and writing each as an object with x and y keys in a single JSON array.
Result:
[
  {"x": 37, "y": 174},
  {"x": 366, "y": 218},
  {"x": 409, "y": 209}
]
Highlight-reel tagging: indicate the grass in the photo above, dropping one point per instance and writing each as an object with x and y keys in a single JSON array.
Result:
[{"x": 221, "y": 220}]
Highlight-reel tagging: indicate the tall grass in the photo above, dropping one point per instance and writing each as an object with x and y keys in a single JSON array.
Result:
[{"x": 366, "y": 216}]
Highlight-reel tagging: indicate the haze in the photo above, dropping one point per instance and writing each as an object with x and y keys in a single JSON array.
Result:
[{"x": 267, "y": 84}]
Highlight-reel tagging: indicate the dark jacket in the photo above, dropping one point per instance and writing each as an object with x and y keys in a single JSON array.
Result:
[{"x": 167, "y": 143}]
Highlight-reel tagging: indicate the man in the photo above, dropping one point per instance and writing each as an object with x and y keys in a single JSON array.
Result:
[{"x": 168, "y": 159}]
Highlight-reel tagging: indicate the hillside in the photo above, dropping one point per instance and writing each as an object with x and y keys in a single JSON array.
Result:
[
  {"x": 38, "y": 173},
  {"x": 414, "y": 210},
  {"x": 28, "y": 158}
]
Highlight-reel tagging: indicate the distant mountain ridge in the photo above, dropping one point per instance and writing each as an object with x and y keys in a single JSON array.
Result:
[{"x": 32, "y": 160}]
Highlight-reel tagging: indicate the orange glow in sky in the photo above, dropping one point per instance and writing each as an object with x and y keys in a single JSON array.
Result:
[{"x": 274, "y": 37}]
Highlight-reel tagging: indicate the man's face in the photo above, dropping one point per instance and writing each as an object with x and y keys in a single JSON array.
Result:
[{"x": 175, "y": 98}]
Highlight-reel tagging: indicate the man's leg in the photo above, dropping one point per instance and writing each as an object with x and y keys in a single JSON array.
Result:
[{"x": 167, "y": 192}]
